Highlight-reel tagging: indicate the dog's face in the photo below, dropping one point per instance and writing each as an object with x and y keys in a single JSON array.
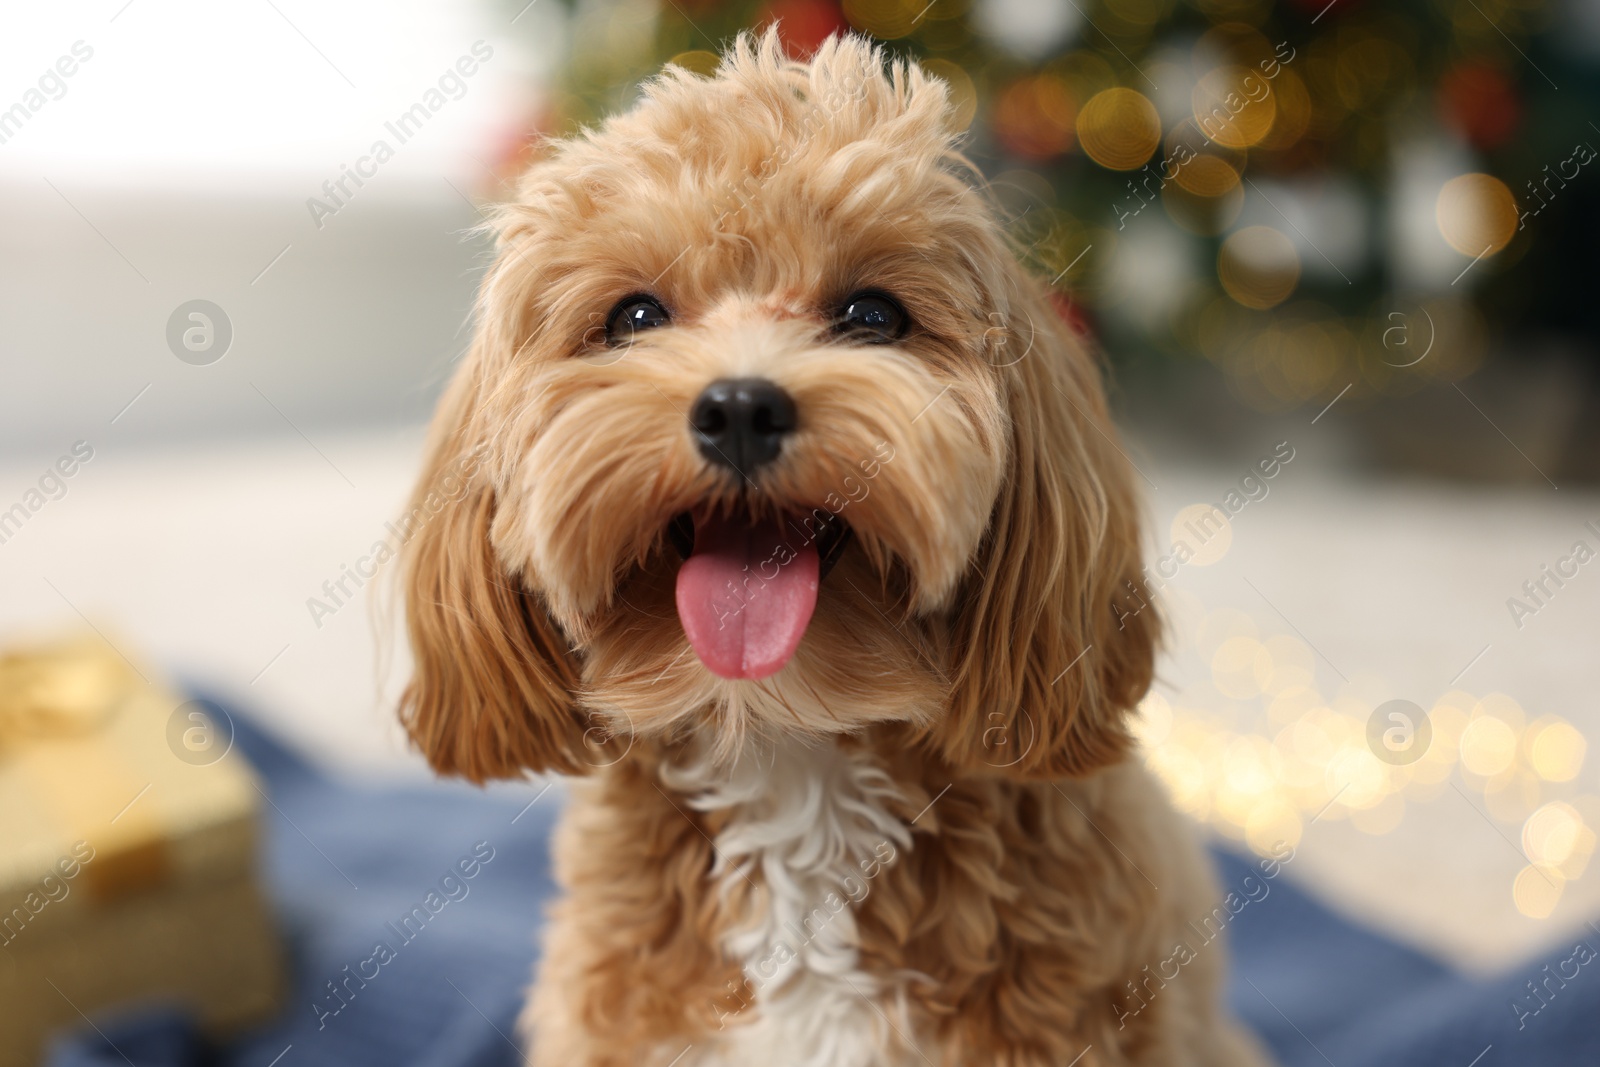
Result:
[{"x": 767, "y": 431}]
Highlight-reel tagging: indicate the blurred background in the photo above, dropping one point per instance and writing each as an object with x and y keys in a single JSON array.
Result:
[{"x": 1347, "y": 241}]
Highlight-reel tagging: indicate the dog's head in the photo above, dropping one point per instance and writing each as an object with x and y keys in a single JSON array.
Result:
[{"x": 764, "y": 429}]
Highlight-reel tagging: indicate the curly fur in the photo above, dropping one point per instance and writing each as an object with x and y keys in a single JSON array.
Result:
[{"x": 961, "y": 692}]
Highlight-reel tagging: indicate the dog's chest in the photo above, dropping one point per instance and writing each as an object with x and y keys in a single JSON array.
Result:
[{"x": 810, "y": 828}]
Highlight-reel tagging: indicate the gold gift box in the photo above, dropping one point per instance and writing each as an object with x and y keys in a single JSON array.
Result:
[{"x": 128, "y": 841}]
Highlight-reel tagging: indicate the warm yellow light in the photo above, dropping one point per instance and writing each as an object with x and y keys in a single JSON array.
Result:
[
  {"x": 1572, "y": 869},
  {"x": 1185, "y": 777},
  {"x": 1536, "y": 891},
  {"x": 1504, "y": 707},
  {"x": 1512, "y": 795},
  {"x": 1153, "y": 725},
  {"x": 1476, "y": 214},
  {"x": 1251, "y": 766},
  {"x": 1294, "y": 111},
  {"x": 1311, "y": 742},
  {"x": 1119, "y": 129},
  {"x": 700, "y": 62},
  {"x": 1240, "y": 668},
  {"x": 1208, "y": 176},
  {"x": 1234, "y": 106},
  {"x": 1556, "y": 751},
  {"x": 1551, "y": 834},
  {"x": 1272, "y": 824},
  {"x": 1488, "y": 746},
  {"x": 963, "y": 94},
  {"x": 1357, "y": 771}
]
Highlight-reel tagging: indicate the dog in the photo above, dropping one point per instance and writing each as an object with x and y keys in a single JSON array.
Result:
[{"x": 779, "y": 506}]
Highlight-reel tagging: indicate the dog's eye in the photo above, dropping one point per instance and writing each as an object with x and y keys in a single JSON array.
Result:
[
  {"x": 632, "y": 314},
  {"x": 872, "y": 317}
]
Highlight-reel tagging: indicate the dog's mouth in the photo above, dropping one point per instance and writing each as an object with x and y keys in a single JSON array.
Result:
[{"x": 748, "y": 585}]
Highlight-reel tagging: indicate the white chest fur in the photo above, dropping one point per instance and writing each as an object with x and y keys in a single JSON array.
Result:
[{"x": 810, "y": 826}]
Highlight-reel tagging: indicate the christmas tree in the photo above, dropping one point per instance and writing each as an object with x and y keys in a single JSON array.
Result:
[{"x": 1309, "y": 195}]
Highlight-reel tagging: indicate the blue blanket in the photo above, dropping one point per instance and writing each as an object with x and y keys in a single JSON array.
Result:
[{"x": 351, "y": 869}]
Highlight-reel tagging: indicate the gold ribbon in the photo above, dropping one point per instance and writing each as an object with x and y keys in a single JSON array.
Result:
[
  {"x": 65, "y": 691},
  {"x": 57, "y": 705}
]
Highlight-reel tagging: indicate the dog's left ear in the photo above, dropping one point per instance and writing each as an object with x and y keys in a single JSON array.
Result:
[{"x": 1053, "y": 635}]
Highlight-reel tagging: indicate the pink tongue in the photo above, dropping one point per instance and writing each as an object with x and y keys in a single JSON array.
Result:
[{"x": 746, "y": 595}]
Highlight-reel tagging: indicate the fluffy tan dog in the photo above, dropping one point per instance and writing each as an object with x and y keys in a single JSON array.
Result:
[{"x": 794, "y": 523}]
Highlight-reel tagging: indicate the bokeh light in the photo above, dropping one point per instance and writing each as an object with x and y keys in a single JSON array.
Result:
[
  {"x": 1027, "y": 29},
  {"x": 963, "y": 94},
  {"x": 1294, "y": 112},
  {"x": 1552, "y": 834},
  {"x": 1536, "y": 891},
  {"x": 1231, "y": 42},
  {"x": 1205, "y": 531},
  {"x": 1035, "y": 116},
  {"x": 1259, "y": 267},
  {"x": 700, "y": 62},
  {"x": 1488, "y": 745},
  {"x": 1206, "y": 197},
  {"x": 1208, "y": 176},
  {"x": 1241, "y": 668},
  {"x": 1234, "y": 106},
  {"x": 1556, "y": 750},
  {"x": 1119, "y": 129},
  {"x": 1259, "y": 752},
  {"x": 1477, "y": 214},
  {"x": 1477, "y": 98}
]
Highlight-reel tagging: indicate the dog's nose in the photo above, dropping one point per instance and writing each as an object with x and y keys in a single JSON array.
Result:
[{"x": 740, "y": 423}]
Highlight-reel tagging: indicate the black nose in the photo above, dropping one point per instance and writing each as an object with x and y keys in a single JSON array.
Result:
[{"x": 740, "y": 423}]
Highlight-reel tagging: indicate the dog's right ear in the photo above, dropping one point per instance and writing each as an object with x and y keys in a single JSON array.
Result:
[{"x": 491, "y": 695}]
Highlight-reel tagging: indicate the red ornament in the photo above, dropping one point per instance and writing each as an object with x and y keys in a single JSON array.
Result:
[
  {"x": 1035, "y": 117},
  {"x": 1478, "y": 101},
  {"x": 1072, "y": 313},
  {"x": 518, "y": 143},
  {"x": 804, "y": 24}
]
